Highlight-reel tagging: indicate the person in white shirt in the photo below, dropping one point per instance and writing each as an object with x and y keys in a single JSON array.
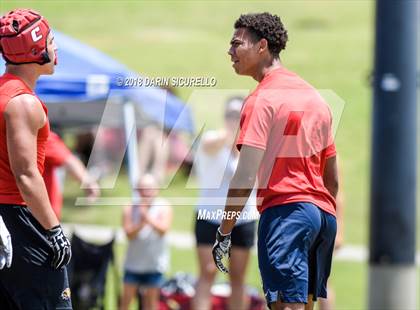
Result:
[
  {"x": 215, "y": 164},
  {"x": 147, "y": 259}
]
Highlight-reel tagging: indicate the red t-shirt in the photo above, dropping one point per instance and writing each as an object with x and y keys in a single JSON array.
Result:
[
  {"x": 288, "y": 119},
  {"x": 10, "y": 87},
  {"x": 56, "y": 154}
]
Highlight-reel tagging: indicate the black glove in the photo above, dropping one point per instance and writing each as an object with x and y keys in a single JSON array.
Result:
[
  {"x": 221, "y": 248},
  {"x": 61, "y": 247}
]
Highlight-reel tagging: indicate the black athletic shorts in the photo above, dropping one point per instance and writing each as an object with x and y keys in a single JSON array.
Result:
[
  {"x": 243, "y": 235},
  {"x": 31, "y": 282}
]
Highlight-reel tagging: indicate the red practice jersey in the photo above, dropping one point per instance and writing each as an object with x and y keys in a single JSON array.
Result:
[
  {"x": 56, "y": 155},
  {"x": 288, "y": 119},
  {"x": 10, "y": 87}
]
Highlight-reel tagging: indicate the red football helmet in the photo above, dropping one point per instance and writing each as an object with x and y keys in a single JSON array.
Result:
[{"x": 23, "y": 37}]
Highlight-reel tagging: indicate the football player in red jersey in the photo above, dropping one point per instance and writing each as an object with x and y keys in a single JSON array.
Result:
[
  {"x": 37, "y": 278},
  {"x": 57, "y": 154}
]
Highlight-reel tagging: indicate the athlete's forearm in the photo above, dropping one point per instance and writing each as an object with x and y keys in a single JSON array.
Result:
[
  {"x": 32, "y": 188},
  {"x": 77, "y": 169},
  {"x": 332, "y": 188},
  {"x": 340, "y": 219},
  {"x": 235, "y": 203},
  {"x": 240, "y": 188},
  {"x": 330, "y": 176}
]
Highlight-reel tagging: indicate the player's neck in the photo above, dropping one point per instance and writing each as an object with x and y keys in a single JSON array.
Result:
[
  {"x": 25, "y": 73},
  {"x": 267, "y": 67}
]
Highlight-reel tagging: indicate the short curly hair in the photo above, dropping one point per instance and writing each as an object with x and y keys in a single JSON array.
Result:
[{"x": 267, "y": 26}]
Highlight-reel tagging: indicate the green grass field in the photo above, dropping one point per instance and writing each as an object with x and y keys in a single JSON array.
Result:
[{"x": 330, "y": 46}]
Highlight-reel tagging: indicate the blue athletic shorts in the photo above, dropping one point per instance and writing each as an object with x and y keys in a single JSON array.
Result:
[
  {"x": 295, "y": 247},
  {"x": 149, "y": 279}
]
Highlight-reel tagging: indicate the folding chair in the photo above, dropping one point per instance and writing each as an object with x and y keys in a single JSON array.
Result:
[{"x": 87, "y": 273}]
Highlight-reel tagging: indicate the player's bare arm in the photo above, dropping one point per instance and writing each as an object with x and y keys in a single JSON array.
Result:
[
  {"x": 239, "y": 190},
  {"x": 76, "y": 168},
  {"x": 330, "y": 176},
  {"x": 340, "y": 204},
  {"x": 242, "y": 184},
  {"x": 24, "y": 116}
]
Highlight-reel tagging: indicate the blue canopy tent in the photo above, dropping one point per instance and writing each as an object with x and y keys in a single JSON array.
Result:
[{"x": 86, "y": 80}]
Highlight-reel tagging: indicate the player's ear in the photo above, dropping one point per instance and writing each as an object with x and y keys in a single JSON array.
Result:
[{"x": 263, "y": 45}]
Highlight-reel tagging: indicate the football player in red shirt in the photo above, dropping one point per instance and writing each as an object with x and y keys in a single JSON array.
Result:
[
  {"x": 58, "y": 155},
  {"x": 286, "y": 144},
  {"x": 37, "y": 278}
]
